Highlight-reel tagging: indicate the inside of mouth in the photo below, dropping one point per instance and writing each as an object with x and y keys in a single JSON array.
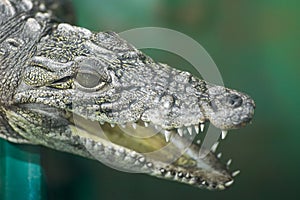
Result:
[
  {"x": 149, "y": 140},
  {"x": 179, "y": 155}
]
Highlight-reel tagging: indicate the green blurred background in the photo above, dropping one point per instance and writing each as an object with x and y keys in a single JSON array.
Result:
[{"x": 255, "y": 45}]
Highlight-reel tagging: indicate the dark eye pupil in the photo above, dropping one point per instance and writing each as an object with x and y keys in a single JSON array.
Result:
[
  {"x": 235, "y": 101},
  {"x": 87, "y": 80}
]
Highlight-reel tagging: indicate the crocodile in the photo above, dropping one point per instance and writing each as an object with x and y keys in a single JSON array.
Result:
[{"x": 95, "y": 95}]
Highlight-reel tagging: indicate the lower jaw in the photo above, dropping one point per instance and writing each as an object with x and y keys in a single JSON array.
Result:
[{"x": 176, "y": 160}]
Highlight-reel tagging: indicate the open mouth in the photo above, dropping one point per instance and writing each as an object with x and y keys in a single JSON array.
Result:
[
  {"x": 145, "y": 148},
  {"x": 180, "y": 154}
]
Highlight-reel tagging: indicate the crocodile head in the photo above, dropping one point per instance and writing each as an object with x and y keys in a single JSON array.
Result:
[{"x": 97, "y": 96}]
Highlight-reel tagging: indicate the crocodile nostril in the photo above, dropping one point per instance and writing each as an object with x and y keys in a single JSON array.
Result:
[
  {"x": 234, "y": 100},
  {"x": 246, "y": 119}
]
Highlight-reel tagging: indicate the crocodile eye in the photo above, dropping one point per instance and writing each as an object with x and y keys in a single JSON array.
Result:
[
  {"x": 91, "y": 75},
  {"x": 87, "y": 79}
]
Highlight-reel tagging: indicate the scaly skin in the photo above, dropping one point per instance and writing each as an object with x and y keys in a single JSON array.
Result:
[{"x": 67, "y": 88}]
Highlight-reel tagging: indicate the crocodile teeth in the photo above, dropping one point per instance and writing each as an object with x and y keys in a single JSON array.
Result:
[
  {"x": 236, "y": 173},
  {"x": 167, "y": 135},
  {"x": 146, "y": 124},
  {"x": 223, "y": 135},
  {"x": 123, "y": 125},
  {"x": 196, "y": 127},
  {"x": 219, "y": 155},
  {"x": 198, "y": 141},
  {"x": 229, "y": 162},
  {"x": 229, "y": 183},
  {"x": 112, "y": 125},
  {"x": 214, "y": 147},
  {"x": 201, "y": 127},
  {"x": 134, "y": 125},
  {"x": 190, "y": 130},
  {"x": 180, "y": 132}
]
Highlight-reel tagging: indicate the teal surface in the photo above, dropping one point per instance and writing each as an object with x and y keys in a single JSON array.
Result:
[{"x": 20, "y": 172}]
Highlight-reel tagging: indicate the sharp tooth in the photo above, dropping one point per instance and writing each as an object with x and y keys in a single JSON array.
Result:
[
  {"x": 196, "y": 127},
  {"x": 123, "y": 125},
  {"x": 235, "y": 173},
  {"x": 102, "y": 122},
  {"x": 229, "y": 183},
  {"x": 229, "y": 162},
  {"x": 180, "y": 132},
  {"x": 190, "y": 130},
  {"x": 167, "y": 135},
  {"x": 224, "y": 133},
  {"x": 112, "y": 125},
  {"x": 134, "y": 125},
  {"x": 221, "y": 187},
  {"x": 201, "y": 127},
  {"x": 146, "y": 124},
  {"x": 219, "y": 155},
  {"x": 198, "y": 141},
  {"x": 214, "y": 147}
]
